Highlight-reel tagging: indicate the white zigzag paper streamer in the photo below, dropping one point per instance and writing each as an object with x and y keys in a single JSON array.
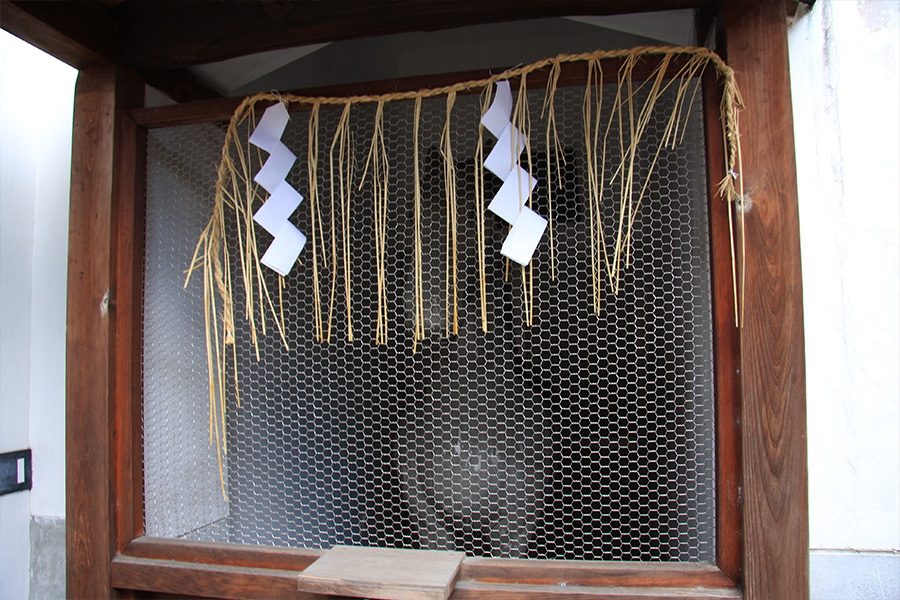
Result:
[
  {"x": 503, "y": 161},
  {"x": 283, "y": 199}
]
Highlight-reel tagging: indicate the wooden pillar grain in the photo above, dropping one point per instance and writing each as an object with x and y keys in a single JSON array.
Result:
[
  {"x": 101, "y": 94},
  {"x": 775, "y": 504}
]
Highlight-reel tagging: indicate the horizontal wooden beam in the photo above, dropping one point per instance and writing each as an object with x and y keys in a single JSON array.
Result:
[
  {"x": 163, "y": 576},
  {"x": 468, "y": 590},
  {"x": 236, "y": 555},
  {"x": 594, "y": 574},
  {"x": 197, "y": 32},
  {"x": 205, "y": 580},
  {"x": 156, "y": 564}
]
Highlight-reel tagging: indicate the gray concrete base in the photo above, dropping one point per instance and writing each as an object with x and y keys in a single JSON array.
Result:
[
  {"x": 850, "y": 575},
  {"x": 48, "y": 558}
]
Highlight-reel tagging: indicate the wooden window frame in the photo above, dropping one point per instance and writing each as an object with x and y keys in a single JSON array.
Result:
[{"x": 761, "y": 517}]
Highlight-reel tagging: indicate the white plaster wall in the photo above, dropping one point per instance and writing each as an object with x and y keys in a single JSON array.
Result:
[
  {"x": 846, "y": 98},
  {"x": 52, "y": 163},
  {"x": 36, "y": 93}
]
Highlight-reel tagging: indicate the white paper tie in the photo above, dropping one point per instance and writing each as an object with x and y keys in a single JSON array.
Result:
[
  {"x": 283, "y": 200},
  {"x": 524, "y": 236},
  {"x": 510, "y": 201},
  {"x": 513, "y": 195}
]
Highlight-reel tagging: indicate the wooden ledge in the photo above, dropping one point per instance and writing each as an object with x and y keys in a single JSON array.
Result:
[{"x": 387, "y": 573}]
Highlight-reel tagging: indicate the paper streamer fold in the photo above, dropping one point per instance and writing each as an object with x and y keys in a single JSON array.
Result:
[
  {"x": 283, "y": 200},
  {"x": 503, "y": 161}
]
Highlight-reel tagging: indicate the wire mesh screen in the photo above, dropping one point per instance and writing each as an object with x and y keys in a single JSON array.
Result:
[{"x": 581, "y": 437}]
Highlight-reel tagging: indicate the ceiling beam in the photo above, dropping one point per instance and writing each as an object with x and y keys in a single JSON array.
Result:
[
  {"x": 164, "y": 34},
  {"x": 78, "y": 33},
  {"x": 83, "y": 35}
]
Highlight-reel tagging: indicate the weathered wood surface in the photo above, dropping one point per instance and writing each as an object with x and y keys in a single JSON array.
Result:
[
  {"x": 235, "y": 555},
  {"x": 91, "y": 467},
  {"x": 388, "y": 573},
  {"x": 775, "y": 505},
  {"x": 478, "y": 570},
  {"x": 126, "y": 312},
  {"x": 168, "y": 578},
  {"x": 726, "y": 346},
  {"x": 594, "y": 573}
]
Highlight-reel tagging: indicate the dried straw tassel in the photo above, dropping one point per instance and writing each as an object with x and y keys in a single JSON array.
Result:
[
  {"x": 419, "y": 333},
  {"x": 315, "y": 216},
  {"x": 378, "y": 160},
  {"x": 522, "y": 121},
  {"x": 342, "y": 141},
  {"x": 591, "y": 133},
  {"x": 345, "y": 171},
  {"x": 452, "y": 323},
  {"x": 385, "y": 171},
  {"x": 479, "y": 207},
  {"x": 549, "y": 109}
]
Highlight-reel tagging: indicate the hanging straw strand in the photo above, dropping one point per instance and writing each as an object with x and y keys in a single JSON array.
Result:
[
  {"x": 549, "y": 108},
  {"x": 312, "y": 165},
  {"x": 452, "y": 321},
  {"x": 479, "y": 208},
  {"x": 419, "y": 333}
]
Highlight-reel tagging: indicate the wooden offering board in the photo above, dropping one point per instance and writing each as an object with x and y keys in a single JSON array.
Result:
[{"x": 384, "y": 573}]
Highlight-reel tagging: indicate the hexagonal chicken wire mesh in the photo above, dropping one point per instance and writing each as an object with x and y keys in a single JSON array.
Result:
[{"x": 581, "y": 437}]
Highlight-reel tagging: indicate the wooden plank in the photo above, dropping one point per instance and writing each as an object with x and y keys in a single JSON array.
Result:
[
  {"x": 206, "y": 581},
  {"x": 726, "y": 346},
  {"x": 594, "y": 574},
  {"x": 161, "y": 39},
  {"x": 237, "y": 555},
  {"x": 466, "y": 590},
  {"x": 388, "y": 573},
  {"x": 91, "y": 475},
  {"x": 775, "y": 512}
]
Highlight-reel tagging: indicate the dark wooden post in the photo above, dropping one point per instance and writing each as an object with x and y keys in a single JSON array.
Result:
[
  {"x": 101, "y": 94},
  {"x": 775, "y": 513}
]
